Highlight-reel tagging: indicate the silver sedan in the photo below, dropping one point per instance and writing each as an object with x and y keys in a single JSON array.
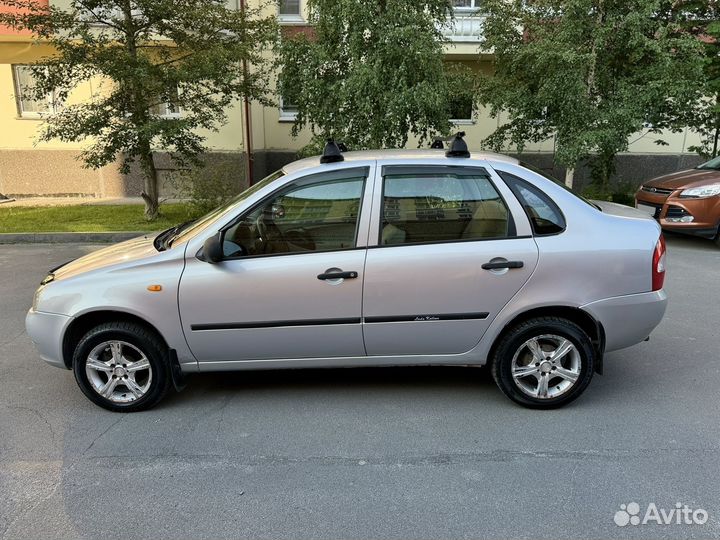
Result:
[{"x": 377, "y": 258}]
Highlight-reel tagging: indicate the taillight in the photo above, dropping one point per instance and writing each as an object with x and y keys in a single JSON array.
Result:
[{"x": 658, "y": 264}]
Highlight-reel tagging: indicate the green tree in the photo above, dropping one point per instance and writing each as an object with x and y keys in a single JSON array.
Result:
[
  {"x": 589, "y": 72},
  {"x": 186, "y": 55},
  {"x": 701, "y": 18},
  {"x": 371, "y": 72}
]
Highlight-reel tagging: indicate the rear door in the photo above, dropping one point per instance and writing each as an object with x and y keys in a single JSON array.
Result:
[{"x": 452, "y": 246}]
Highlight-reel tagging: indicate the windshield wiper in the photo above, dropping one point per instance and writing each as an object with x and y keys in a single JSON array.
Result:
[{"x": 164, "y": 239}]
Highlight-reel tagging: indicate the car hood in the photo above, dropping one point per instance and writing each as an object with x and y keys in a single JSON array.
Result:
[
  {"x": 122, "y": 253},
  {"x": 685, "y": 179}
]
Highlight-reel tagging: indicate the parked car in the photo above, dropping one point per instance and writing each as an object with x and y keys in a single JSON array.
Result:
[
  {"x": 686, "y": 201},
  {"x": 369, "y": 258}
]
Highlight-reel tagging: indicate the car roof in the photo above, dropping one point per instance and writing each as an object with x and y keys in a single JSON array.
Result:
[{"x": 413, "y": 155}]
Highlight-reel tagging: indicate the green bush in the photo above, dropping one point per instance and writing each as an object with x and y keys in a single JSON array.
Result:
[
  {"x": 208, "y": 187},
  {"x": 621, "y": 193}
]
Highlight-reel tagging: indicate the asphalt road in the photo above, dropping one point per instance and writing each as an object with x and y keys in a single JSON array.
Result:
[{"x": 369, "y": 453}]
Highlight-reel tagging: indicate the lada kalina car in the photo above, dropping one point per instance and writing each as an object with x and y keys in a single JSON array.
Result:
[{"x": 373, "y": 258}]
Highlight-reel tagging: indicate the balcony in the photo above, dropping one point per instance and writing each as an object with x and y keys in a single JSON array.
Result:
[{"x": 465, "y": 28}]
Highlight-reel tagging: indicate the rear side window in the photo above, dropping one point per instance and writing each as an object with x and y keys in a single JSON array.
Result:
[
  {"x": 544, "y": 215},
  {"x": 442, "y": 207}
]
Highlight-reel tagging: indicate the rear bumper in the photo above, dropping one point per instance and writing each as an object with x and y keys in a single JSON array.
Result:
[
  {"x": 46, "y": 331},
  {"x": 629, "y": 319}
]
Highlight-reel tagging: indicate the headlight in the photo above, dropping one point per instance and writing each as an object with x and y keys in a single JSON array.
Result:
[
  {"x": 701, "y": 192},
  {"x": 36, "y": 298}
]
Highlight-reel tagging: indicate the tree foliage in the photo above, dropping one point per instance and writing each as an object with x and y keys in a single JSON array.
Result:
[
  {"x": 144, "y": 54},
  {"x": 371, "y": 72},
  {"x": 589, "y": 72},
  {"x": 701, "y": 18}
]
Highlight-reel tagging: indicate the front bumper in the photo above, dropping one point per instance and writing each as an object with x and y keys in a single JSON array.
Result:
[
  {"x": 670, "y": 210},
  {"x": 628, "y": 319},
  {"x": 46, "y": 330}
]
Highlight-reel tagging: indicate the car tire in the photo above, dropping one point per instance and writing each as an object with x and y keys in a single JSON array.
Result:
[
  {"x": 717, "y": 238},
  {"x": 544, "y": 363},
  {"x": 122, "y": 367}
]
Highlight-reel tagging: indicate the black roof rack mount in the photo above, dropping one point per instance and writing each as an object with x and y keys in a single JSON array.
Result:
[
  {"x": 458, "y": 148},
  {"x": 332, "y": 153}
]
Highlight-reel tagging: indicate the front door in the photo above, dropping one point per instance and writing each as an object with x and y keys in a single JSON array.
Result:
[
  {"x": 291, "y": 284},
  {"x": 426, "y": 290}
]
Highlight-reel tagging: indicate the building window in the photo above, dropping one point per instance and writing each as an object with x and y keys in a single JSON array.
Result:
[
  {"x": 28, "y": 107},
  {"x": 465, "y": 4},
  {"x": 169, "y": 106},
  {"x": 461, "y": 110},
  {"x": 288, "y": 111},
  {"x": 290, "y": 11}
]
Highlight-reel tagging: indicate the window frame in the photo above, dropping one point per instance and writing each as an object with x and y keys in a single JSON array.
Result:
[
  {"x": 512, "y": 181},
  {"x": 458, "y": 170},
  {"x": 285, "y": 115},
  {"x": 167, "y": 104},
  {"x": 291, "y": 17},
  {"x": 22, "y": 113},
  {"x": 304, "y": 181},
  {"x": 472, "y": 8}
]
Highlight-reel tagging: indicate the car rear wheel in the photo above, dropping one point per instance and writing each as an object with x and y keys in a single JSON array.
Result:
[
  {"x": 544, "y": 363},
  {"x": 122, "y": 367}
]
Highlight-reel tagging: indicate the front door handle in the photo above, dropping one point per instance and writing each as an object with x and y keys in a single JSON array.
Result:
[
  {"x": 497, "y": 265},
  {"x": 337, "y": 275}
]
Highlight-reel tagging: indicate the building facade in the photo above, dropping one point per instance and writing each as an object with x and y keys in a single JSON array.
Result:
[{"x": 29, "y": 168}]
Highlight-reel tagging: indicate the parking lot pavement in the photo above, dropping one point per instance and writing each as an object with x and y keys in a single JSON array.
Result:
[{"x": 366, "y": 453}]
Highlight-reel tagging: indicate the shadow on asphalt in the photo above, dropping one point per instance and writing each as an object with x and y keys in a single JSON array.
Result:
[
  {"x": 690, "y": 242},
  {"x": 337, "y": 380}
]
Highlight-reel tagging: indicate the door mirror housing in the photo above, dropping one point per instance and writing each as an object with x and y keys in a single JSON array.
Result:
[{"x": 213, "y": 249}]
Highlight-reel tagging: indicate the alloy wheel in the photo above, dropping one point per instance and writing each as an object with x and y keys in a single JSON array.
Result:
[{"x": 546, "y": 366}]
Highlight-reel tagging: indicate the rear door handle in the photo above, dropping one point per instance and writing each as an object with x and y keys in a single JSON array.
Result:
[
  {"x": 337, "y": 275},
  {"x": 497, "y": 265}
]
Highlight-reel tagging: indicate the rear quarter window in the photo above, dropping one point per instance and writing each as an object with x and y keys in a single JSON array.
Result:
[{"x": 544, "y": 215}]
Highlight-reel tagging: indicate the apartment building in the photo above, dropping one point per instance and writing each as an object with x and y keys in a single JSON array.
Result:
[{"x": 28, "y": 167}]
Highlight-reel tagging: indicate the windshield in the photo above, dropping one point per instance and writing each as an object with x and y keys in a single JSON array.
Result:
[
  {"x": 712, "y": 164},
  {"x": 558, "y": 182},
  {"x": 197, "y": 225}
]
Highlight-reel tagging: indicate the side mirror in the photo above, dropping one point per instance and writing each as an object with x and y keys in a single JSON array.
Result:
[{"x": 213, "y": 249}]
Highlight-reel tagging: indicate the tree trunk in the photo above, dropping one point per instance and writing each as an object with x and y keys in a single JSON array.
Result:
[
  {"x": 715, "y": 143},
  {"x": 150, "y": 191},
  {"x": 569, "y": 177}
]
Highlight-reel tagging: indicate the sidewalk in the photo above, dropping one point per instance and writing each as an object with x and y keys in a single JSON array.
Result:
[{"x": 77, "y": 201}]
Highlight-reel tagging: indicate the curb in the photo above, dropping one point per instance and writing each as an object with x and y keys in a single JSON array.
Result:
[{"x": 68, "y": 237}]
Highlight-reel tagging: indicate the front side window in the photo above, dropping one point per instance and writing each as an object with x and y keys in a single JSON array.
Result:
[
  {"x": 442, "y": 207},
  {"x": 24, "y": 90},
  {"x": 320, "y": 216},
  {"x": 544, "y": 215}
]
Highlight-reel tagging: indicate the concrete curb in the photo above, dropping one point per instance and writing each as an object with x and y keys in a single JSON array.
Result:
[{"x": 68, "y": 237}]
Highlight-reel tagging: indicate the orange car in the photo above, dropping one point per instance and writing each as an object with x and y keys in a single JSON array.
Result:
[{"x": 686, "y": 201}]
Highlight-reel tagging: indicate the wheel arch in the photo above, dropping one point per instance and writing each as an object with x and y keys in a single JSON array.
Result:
[
  {"x": 80, "y": 325},
  {"x": 582, "y": 318}
]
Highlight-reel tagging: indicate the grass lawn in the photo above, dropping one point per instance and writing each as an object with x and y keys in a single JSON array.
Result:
[{"x": 88, "y": 218}]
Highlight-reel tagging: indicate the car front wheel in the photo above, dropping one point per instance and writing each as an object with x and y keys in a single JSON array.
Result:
[
  {"x": 544, "y": 363},
  {"x": 122, "y": 367}
]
